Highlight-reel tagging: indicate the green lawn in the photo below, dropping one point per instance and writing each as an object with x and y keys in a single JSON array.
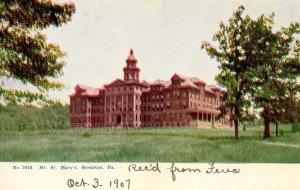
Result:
[{"x": 179, "y": 144}]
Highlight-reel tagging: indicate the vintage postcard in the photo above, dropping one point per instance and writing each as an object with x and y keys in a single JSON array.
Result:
[{"x": 163, "y": 94}]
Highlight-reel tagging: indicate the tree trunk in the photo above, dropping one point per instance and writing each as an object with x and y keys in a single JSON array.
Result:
[
  {"x": 267, "y": 127},
  {"x": 236, "y": 129},
  {"x": 276, "y": 128},
  {"x": 236, "y": 121}
]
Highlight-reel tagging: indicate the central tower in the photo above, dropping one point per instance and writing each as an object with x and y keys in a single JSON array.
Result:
[{"x": 131, "y": 71}]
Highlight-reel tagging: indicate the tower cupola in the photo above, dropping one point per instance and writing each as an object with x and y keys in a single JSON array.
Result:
[{"x": 131, "y": 71}]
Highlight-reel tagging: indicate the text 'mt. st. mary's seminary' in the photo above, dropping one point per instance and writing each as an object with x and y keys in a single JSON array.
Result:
[{"x": 183, "y": 101}]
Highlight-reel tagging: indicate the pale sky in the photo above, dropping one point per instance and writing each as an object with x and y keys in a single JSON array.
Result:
[{"x": 166, "y": 36}]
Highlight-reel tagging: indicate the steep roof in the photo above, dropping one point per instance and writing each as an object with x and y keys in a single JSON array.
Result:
[
  {"x": 196, "y": 80},
  {"x": 87, "y": 90},
  {"x": 212, "y": 86},
  {"x": 144, "y": 82},
  {"x": 209, "y": 90},
  {"x": 159, "y": 82},
  {"x": 186, "y": 81}
]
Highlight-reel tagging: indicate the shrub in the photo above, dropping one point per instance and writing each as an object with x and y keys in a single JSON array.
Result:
[
  {"x": 86, "y": 134},
  {"x": 295, "y": 127}
]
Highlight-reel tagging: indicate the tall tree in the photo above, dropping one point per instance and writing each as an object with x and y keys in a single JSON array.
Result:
[
  {"x": 275, "y": 69},
  {"x": 234, "y": 66},
  {"x": 259, "y": 67},
  {"x": 25, "y": 54}
]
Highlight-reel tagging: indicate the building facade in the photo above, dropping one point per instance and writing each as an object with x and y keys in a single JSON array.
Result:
[{"x": 129, "y": 102}]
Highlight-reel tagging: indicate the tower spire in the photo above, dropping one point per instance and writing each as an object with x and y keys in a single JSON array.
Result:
[{"x": 131, "y": 58}]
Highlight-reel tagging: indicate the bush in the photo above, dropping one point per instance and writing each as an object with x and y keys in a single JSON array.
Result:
[
  {"x": 86, "y": 134},
  {"x": 295, "y": 127}
]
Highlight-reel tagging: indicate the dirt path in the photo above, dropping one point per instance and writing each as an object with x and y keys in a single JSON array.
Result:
[{"x": 282, "y": 144}]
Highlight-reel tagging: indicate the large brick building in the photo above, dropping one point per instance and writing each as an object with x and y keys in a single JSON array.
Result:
[{"x": 127, "y": 102}]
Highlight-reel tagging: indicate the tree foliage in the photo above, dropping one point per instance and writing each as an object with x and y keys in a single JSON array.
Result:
[
  {"x": 259, "y": 67},
  {"x": 25, "y": 54},
  {"x": 19, "y": 118}
]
